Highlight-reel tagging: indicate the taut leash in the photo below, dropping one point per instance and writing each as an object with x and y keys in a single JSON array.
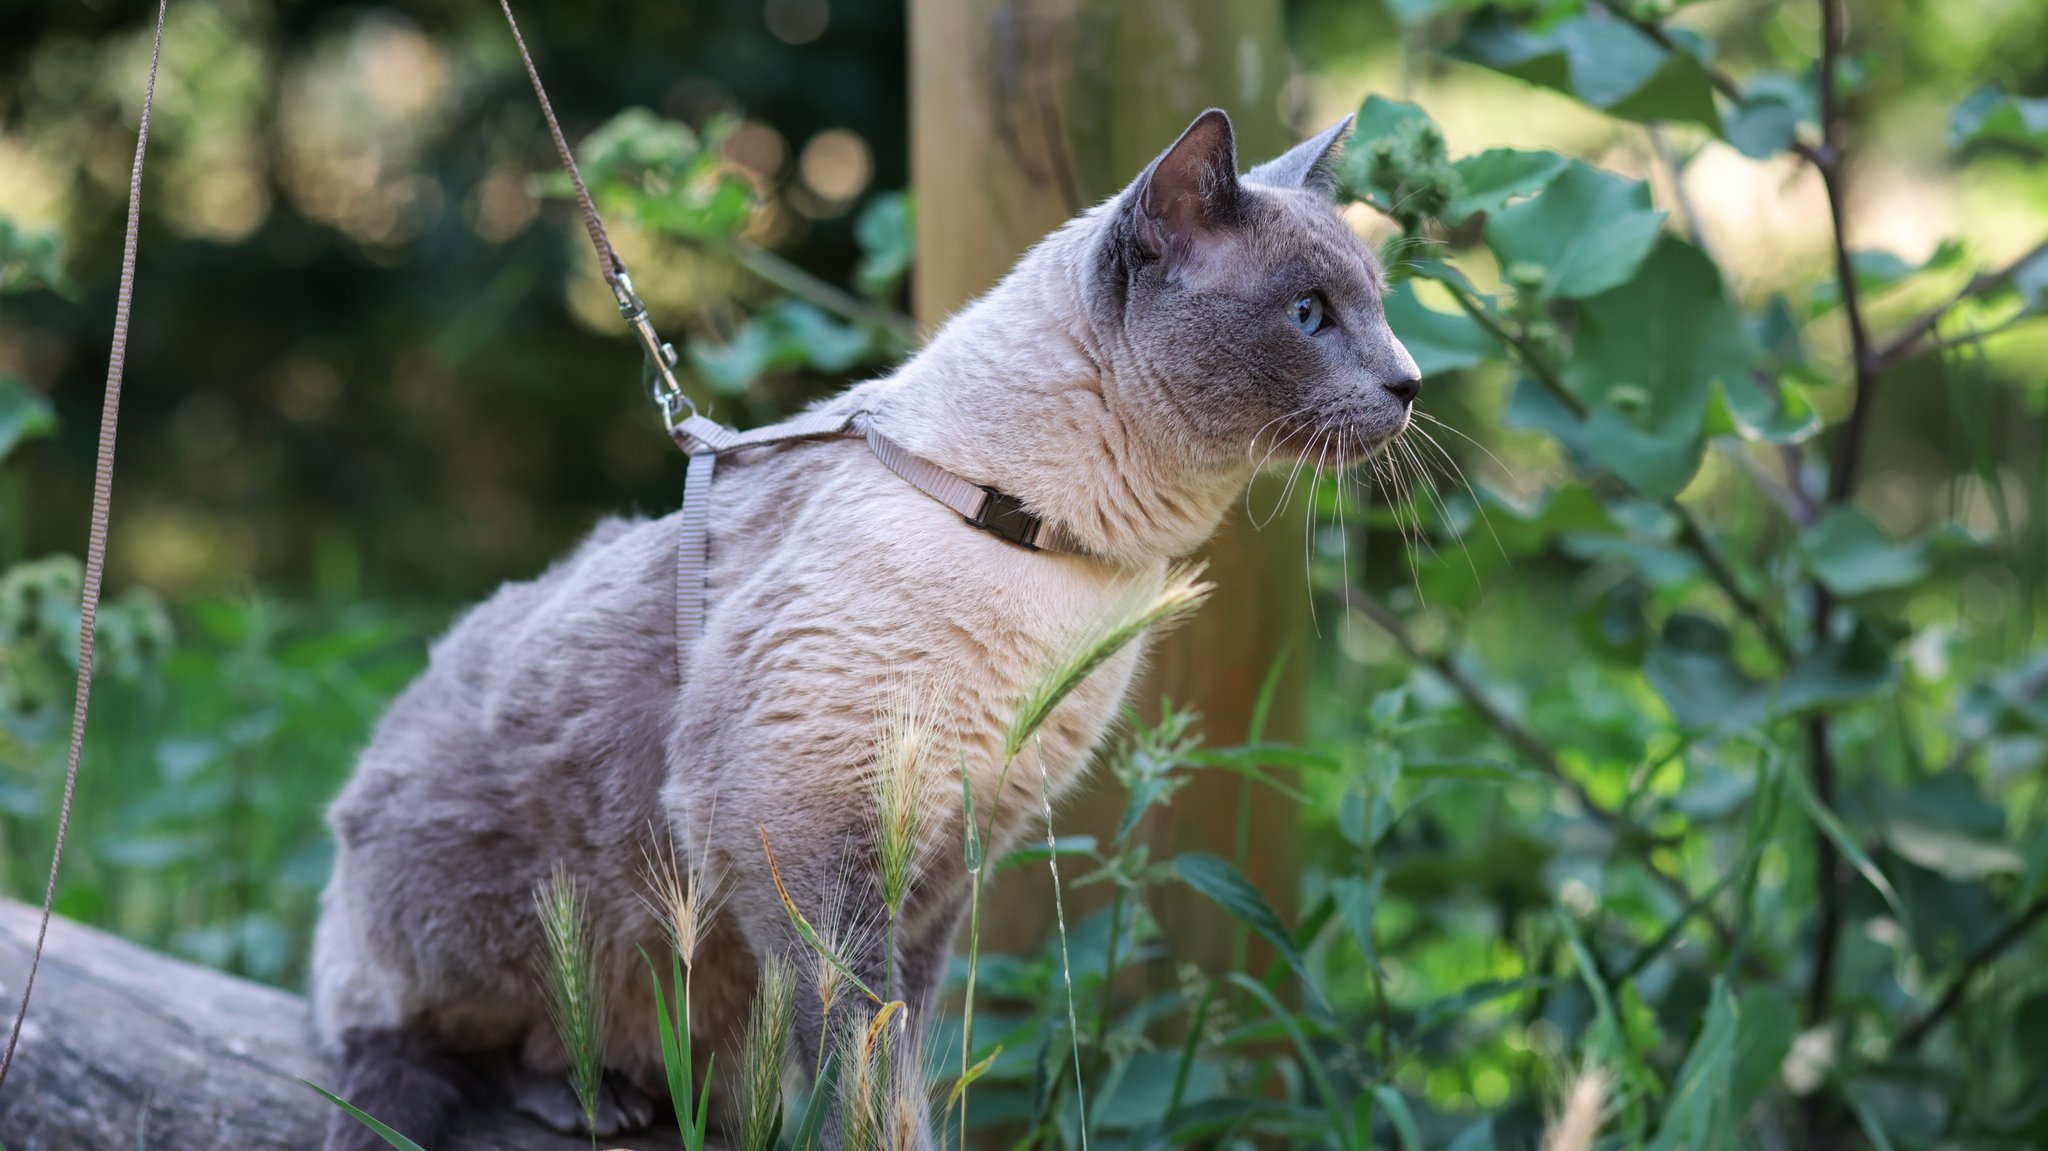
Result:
[
  {"x": 704, "y": 440},
  {"x": 96, "y": 543}
]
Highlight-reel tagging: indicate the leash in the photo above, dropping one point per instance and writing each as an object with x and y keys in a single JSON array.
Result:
[
  {"x": 704, "y": 440},
  {"x": 96, "y": 545}
]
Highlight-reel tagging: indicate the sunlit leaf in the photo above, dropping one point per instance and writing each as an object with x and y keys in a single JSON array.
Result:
[
  {"x": 1489, "y": 180},
  {"x": 1604, "y": 62},
  {"x": 1852, "y": 556},
  {"x": 1440, "y": 342},
  {"x": 1589, "y": 231},
  {"x": 1993, "y": 116}
]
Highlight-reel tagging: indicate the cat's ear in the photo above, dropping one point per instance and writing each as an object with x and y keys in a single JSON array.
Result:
[
  {"x": 1311, "y": 164},
  {"x": 1189, "y": 190}
]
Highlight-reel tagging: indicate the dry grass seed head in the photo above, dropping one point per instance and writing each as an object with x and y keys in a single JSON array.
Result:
[
  {"x": 683, "y": 899},
  {"x": 907, "y": 749},
  {"x": 1575, "y": 1128}
]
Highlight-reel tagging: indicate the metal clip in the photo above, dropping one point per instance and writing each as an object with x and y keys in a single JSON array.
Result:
[{"x": 663, "y": 389}]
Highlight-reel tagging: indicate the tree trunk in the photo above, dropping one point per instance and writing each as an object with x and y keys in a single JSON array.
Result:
[
  {"x": 1024, "y": 112},
  {"x": 127, "y": 1048}
]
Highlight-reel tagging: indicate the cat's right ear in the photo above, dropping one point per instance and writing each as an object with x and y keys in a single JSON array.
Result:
[{"x": 1190, "y": 190}]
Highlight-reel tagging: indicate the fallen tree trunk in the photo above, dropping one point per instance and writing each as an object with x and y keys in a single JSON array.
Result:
[{"x": 127, "y": 1048}]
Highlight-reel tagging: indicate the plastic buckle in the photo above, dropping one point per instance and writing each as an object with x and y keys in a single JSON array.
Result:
[{"x": 1003, "y": 515}]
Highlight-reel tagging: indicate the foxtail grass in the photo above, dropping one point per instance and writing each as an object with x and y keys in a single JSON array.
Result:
[
  {"x": 765, "y": 1054},
  {"x": 572, "y": 986},
  {"x": 1135, "y": 608},
  {"x": 906, "y": 742},
  {"x": 683, "y": 897}
]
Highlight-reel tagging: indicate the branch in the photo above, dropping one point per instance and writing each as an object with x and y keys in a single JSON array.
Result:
[
  {"x": 1918, "y": 1030},
  {"x": 1908, "y": 341},
  {"x": 838, "y": 301}
]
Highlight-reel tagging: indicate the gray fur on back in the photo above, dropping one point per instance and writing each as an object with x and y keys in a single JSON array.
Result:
[{"x": 1124, "y": 380}]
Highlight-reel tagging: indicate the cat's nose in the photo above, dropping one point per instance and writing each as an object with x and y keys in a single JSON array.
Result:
[{"x": 1405, "y": 388}]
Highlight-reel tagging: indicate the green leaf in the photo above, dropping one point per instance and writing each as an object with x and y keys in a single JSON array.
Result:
[
  {"x": 1646, "y": 361},
  {"x": 1697, "y": 1116},
  {"x": 32, "y": 259},
  {"x": 1993, "y": 116},
  {"x": 1223, "y": 883},
  {"x": 383, "y": 1132},
  {"x": 1489, "y": 180},
  {"x": 1768, "y": 118},
  {"x": 1851, "y": 556},
  {"x": 1400, "y": 1116},
  {"x": 1440, "y": 342},
  {"x": 1877, "y": 270},
  {"x": 792, "y": 334},
  {"x": 1603, "y": 62},
  {"x": 1765, "y": 1026},
  {"x": 1358, "y": 902},
  {"x": 1744, "y": 407},
  {"x": 24, "y": 414},
  {"x": 1589, "y": 230},
  {"x": 1845, "y": 842},
  {"x": 1692, "y": 669},
  {"x": 1945, "y": 824},
  {"x": 887, "y": 234}
]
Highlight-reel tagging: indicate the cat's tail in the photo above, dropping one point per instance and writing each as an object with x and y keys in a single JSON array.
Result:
[
  {"x": 1575, "y": 1127},
  {"x": 402, "y": 1079}
]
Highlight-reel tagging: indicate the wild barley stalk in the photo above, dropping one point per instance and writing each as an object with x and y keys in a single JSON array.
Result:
[
  {"x": 1059, "y": 910},
  {"x": 573, "y": 987},
  {"x": 765, "y": 1054},
  {"x": 904, "y": 742},
  {"x": 684, "y": 900},
  {"x": 1138, "y": 607}
]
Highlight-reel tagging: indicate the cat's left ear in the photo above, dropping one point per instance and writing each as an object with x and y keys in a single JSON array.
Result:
[{"x": 1311, "y": 164}]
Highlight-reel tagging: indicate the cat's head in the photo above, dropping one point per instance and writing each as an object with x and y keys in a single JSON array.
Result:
[{"x": 1243, "y": 313}]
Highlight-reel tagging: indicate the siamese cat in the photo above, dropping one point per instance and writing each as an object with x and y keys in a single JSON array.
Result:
[{"x": 1123, "y": 382}]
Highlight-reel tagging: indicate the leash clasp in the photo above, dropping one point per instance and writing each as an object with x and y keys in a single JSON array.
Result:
[{"x": 663, "y": 389}]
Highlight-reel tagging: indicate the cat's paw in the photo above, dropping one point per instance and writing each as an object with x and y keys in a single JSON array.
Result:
[{"x": 621, "y": 1107}]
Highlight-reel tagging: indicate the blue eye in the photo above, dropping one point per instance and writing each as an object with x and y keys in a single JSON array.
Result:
[{"x": 1307, "y": 311}]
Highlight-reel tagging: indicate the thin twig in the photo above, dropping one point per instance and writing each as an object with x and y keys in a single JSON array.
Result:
[
  {"x": 1909, "y": 339},
  {"x": 838, "y": 301},
  {"x": 1918, "y": 1030},
  {"x": 1828, "y": 881}
]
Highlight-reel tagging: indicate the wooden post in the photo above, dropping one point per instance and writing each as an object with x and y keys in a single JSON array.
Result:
[{"x": 1024, "y": 112}]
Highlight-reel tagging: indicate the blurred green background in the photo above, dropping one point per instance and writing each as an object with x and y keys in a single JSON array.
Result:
[{"x": 373, "y": 374}]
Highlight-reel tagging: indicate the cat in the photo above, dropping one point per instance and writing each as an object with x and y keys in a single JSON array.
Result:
[{"x": 1123, "y": 382}]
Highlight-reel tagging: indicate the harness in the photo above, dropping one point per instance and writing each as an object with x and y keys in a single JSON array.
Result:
[{"x": 704, "y": 439}]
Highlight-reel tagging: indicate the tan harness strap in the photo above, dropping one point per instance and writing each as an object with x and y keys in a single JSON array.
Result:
[
  {"x": 96, "y": 544},
  {"x": 706, "y": 440}
]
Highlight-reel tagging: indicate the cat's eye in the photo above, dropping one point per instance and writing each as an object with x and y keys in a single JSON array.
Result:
[{"x": 1307, "y": 311}]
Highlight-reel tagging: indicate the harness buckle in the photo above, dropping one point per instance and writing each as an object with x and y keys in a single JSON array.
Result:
[{"x": 1003, "y": 515}]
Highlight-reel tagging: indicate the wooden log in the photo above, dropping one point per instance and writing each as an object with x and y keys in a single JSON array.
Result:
[{"x": 127, "y": 1048}]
